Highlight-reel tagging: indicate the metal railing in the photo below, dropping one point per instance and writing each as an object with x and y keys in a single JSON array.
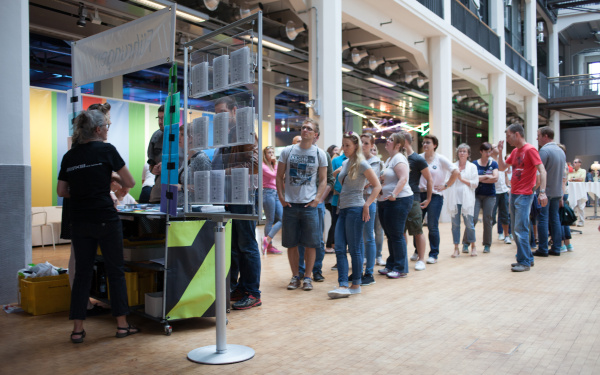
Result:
[
  {"x": 585, "y": 86},
  {"x": 518, "y": 63},
  {"x": 436, "y": 6},
  {"x": 470, "y": 25},
  {"x": 543, "y": 87}
]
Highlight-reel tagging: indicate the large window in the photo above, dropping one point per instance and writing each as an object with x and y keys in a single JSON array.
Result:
[{"x": 594, "y": 72}]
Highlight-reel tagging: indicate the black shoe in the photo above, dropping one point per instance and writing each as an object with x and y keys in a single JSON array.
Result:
[
  {"x": 538, "y": 253},
  {"x": 247, "y": 302},
  {"x": 334, "y": 268},
  {"x": 557, "y": 254},
  {"x": 318, "y": 277},
  {"x": 367, "y": 279}
]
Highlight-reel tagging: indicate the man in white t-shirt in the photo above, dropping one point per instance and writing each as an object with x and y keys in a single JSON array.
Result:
[{"x": 299, "y": 167}]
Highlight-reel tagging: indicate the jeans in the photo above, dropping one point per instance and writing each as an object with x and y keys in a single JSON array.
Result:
[
  {"x": 273, "y": 212},
  {"x": 86, "y": 237},
  {"x": 378, "y": 236},
  {"x": 520, "y": 205},
  {"x": 392, "y": 215},
  {"x": 331, "y": 232},
  {"x": 367, "y": 243},
  {"x": 487, "y": 202},
  {"x": 469, "y": 235},
  {"x": 348, "y": 233},
  {"x": 319, "y": 250},
  {"x": 549, "y": 221},
  {"x": 433, "y": 211},
  {"x": 245, "y": 257},
  {"x": 566, "y": 230}
]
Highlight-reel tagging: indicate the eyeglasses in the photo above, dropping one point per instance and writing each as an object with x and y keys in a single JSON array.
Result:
[
  {"x": 107, "y": 125},
  {"x": 307, "y": 128}
]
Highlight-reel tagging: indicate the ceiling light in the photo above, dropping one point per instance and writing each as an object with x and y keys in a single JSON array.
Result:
[
  {"x": 460, "y": 98},
  {"x": 354, "y": 112},
  {"x": 540, "y": 38},
  {"x": 374, "y": 62},
  {"x": 346, "y": 68},
  {"x": 390, "y": 68},
  {"x": 82, "y": 15},
  {"x": 380, "y": 81},
  {"x": 422, "y": 81},
  {"x": 477, "y": 105},
  {"x": 292, "y": 31},
  {"x": 409, "y": 77},
  {"x": 188, "y": 15},
  {"x": 211, "y": 4},
  {"x": 270, "y": 43},
  {"x": 246, "y": 11},
  {"x": 416, "y": 94},
  {"x": 96, "y": 18},
  {"x": 358, "y": 55},
  {"x": 472, "y": 102}
]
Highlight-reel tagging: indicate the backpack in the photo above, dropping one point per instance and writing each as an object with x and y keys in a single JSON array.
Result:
[{"x": 567, "y": 216}]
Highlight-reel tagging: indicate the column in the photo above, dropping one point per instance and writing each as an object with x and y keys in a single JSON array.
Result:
[
  {"x": 497, "y": 109},
  {"x": 553, "y": 58},
  {"x": 531, "y": 36},
  {"x": 15, "y": 159},
  {"x": 554, "y": 123},
  {"x": 531, "y": 119},
  {"x": 497, "y": 22},
  {"x": 269, "y": 95},
  {"x": 440, "y": 93},
  {"x": 325, "y": 69},
  {"x": 110, "y": 88}
]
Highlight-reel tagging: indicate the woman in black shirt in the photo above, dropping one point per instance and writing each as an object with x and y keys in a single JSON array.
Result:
[{"x": 85, "y": 177}]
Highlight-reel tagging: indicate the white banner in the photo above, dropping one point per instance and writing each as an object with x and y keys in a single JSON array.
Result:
[{"x": 136, "y": 45}]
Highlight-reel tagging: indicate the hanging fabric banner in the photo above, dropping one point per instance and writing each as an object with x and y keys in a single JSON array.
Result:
[{"x": 146, "y": 42}]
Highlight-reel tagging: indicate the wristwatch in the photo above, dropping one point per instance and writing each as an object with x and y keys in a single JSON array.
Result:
[
  {"x": 445, "y": 185},
  {"x": 542, "y": 191}
]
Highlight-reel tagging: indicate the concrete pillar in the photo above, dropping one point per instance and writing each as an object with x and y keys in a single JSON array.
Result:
[
  {"x": 531, "y": 119},
  {"x": 531, "y": 36},
  {"x": 552, "y": 51},
  {"x": 440, "y": 93},
  {"x": 497, "y": 22},
  {"x": 554, "y": 123},
  {"x": 110, "y": 88},
  {"x": 269, "y": 95},
  {"x": 325, "y": 69},
  {"x": 15, "y": 157},
  {"x": 447, "y": 10},
  {"x": 497, "y": 107}
]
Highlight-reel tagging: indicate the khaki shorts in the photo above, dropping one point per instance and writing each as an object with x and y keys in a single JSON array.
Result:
[{"x": 414, "y": 221}]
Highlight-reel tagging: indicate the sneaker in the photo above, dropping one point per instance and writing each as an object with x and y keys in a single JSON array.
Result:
[
  {"x": 396, "y": 275},
  {"x": 420, "y": 265},
  {"x": 486, "y": 249},
  {"x": 334, "y": 268},
  {"x": 465, "y": 248},
  {"x": 555, "y": 253},
  {"x": 380, "y": 262},
  {"x": 511, "y": 237},
  {"x": 538, "y": 253},
  {"x": 273, "y": 250},
  {"x": 307, "y": 284},
  {"x": 431, "y": 260},
  {"x": 580, "y": 224},
  {"x": 514, "y": 264},
  {"x": 563, "y": 249},
  {"x": 414, "y": 257},
  {"x": 570, "y": 247},
  {"x": 247, "y": 302},
  {"x": 294, "y": 283},
  {"x": 354, "y": 291},
  {"x": 384, "y": 271},
  {"x": 236, "y": 295},
  {"x": 508, "y": 240},
  {"x": 265, "y": 245},
  {"x": 520, "y": 268},
  {"x": 501, "y": 237},
  {"x": 339, "y": 293},
  {"x": 367, "y": 279},
  {"x": 318, "y": 277}
]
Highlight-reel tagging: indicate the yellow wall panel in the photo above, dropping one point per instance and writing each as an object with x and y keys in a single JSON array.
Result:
[{"x": 41, "y": 147}]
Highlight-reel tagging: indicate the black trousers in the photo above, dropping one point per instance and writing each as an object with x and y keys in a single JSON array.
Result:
[{"x": 334, "y": 216}]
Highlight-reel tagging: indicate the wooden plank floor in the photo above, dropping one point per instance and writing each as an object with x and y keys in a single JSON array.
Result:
[{"x": 460, "y": 316}]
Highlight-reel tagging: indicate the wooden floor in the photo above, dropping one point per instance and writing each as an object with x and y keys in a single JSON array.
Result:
[{"x": 460, "y": 316}]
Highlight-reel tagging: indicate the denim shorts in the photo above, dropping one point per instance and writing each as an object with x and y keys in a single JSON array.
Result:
[
  {"x": 300, "y": 226},
  {"x": 414, "y": 221}
]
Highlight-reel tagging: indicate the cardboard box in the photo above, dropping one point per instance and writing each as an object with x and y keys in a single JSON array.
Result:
[
  {"x": 140, "y": 253},
  {"x": 45, "y": 295},
  {"x": 153, "y": 305}
]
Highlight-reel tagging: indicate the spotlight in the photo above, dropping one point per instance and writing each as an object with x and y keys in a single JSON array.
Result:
[
  {"x": 82, "y": 15},
  {"x": 390, "y": 68},
  {"x": 374, "y": 62},
  {"x": 96, "y": 18},
  {"x": 246, "y": 11},
  {"x": 358, "y": 55},
  {"x": 408, "y": 78},
  {"x": 292, "y": 31},
  {"x": 211, "y": 4},
  {"x": 422, "y": 81}
]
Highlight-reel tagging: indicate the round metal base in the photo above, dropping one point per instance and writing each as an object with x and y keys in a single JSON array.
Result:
[{"x": 208, "y": 355}]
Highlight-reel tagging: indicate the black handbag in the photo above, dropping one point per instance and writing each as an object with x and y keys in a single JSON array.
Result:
[{"x": 567, "y": 215}]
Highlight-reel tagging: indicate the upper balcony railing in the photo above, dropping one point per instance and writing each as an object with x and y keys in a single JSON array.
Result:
[
  {"x": 574, "y": 88},
  {"x": 436, "y": 6},
  {"x": 470, "y": 25},
  {"x": 518, "y": 63},
  {"x": 543, "y": 86}
]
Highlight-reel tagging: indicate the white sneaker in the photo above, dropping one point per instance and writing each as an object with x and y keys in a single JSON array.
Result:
[
  {"x": 420, "y": 265},
  {"x": 354, "y": 291},
  {"x": 507, "y": 240},
  {"x": 501, "y": 237},
  {"x": 431, "y": 260},
  {"x": 511, "y": 237},
  {"x": 339, "y": 293},
  {"x": 379, "y": 261},
  {"x": 414, "y": 257},
  {"x": 563, "y": 249}
]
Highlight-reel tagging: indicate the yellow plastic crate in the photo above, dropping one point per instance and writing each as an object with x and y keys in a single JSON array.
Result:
[
  {"x": 45, "y": 295},
  {"x": 131, "y": 281}
]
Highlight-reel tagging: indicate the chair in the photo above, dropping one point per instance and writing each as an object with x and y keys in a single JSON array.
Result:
[{"x": 41, "y": 224}]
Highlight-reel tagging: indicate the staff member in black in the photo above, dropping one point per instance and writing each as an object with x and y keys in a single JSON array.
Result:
[{"x": 85, "y": 177}]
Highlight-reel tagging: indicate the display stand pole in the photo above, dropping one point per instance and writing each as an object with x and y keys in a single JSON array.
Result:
[
  {"x": 595, "y": 217},
  {"x": 222, "y": 353}
]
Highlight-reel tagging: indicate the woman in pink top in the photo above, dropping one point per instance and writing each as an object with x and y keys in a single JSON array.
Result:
[{"x": 271, "y": 205}]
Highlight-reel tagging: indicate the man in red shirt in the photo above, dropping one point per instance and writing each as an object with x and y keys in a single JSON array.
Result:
[{"x": 526, "y": 162}]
